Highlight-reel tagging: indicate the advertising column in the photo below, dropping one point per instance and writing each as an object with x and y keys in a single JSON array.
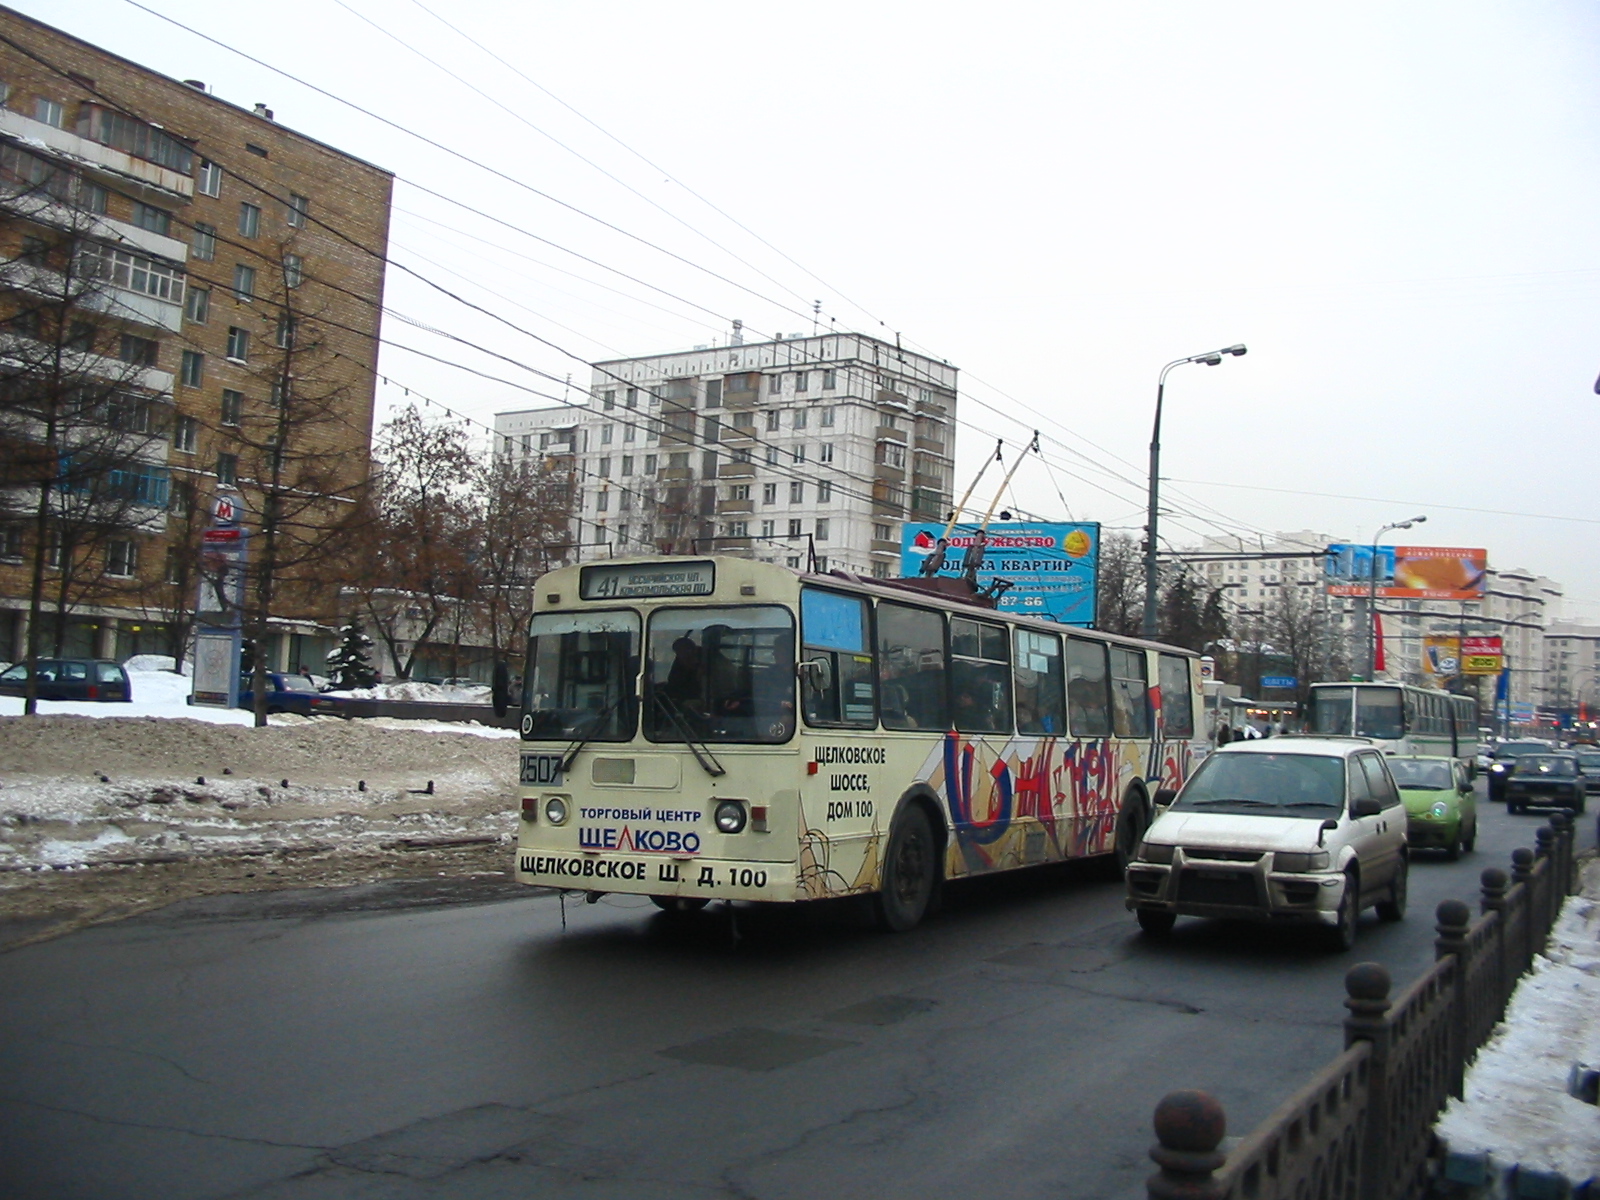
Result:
[{"x": 218, "y": 608}]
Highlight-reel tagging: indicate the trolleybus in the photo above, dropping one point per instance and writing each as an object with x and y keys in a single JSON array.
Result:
[
  {"x": 1401, "y": 719},
  {"x": 717, "y": 728}
]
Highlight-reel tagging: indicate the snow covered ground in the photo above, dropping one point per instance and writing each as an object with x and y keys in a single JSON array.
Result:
[
  {"x": 157, "y": 779},
  {"x": 1516, "y": 1105}
]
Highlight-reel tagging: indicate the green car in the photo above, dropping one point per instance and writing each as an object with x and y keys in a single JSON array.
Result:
[{"x": 1441, "y": 813}]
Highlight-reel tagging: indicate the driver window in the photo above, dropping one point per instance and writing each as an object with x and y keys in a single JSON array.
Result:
[{"x": 836, "y": 680}]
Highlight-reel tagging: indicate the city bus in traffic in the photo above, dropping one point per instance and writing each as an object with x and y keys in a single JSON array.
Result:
[
  {"x": 717, "y": 728},
  {"x": 1402, "y": 719}
]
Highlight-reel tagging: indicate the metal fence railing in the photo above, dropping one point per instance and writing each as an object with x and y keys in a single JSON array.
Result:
[{"x": 1361, "y": 1128}]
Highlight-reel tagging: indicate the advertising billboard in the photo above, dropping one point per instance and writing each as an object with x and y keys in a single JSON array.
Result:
[
  {"x": 1482, "y": 655},
  {"x": 1407, "y": 572},
  {"x": 1052, "y": 567},
  {"x": 1441, "y": 655}
]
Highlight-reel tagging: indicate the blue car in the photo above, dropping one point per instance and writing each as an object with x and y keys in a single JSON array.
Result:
[{"x": 291, "y": 694}]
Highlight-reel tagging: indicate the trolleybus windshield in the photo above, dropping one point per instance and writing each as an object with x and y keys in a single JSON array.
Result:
[
  {"x": 720, "y": 675},
  {"x": 581, "y": 673}
]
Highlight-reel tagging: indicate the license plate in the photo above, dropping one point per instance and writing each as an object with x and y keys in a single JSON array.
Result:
[{"x": 542, "y": 770}]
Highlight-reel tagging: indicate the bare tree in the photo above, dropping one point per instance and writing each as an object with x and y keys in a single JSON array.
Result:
[
  {"x": 524, "y": 522},
  {"x": 1120, "y": 589},
  {"x": 82, "y": 422}
]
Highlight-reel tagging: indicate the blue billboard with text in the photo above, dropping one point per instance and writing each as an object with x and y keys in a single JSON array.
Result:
[{"x": 1052, "y": 567}]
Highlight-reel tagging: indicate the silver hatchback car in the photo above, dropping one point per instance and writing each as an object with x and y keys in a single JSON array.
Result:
[{"x": 1306, "y": 830}]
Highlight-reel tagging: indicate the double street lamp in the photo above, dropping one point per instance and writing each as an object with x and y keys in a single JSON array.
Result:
[
  {"x": 1151, "y": 597},
  {"x": 1372, "y": 593}
]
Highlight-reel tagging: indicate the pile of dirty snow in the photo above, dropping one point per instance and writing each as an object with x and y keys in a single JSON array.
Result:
[
  {"x": 435, "y": 693},
  {"x": 1516, "y": 1105}
]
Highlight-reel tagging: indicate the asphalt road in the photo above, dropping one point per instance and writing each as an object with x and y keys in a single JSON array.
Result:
[{"x": 421, "y": 1041}]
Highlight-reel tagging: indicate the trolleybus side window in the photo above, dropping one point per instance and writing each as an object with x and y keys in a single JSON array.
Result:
[
  {"x": 581, "y": 673},
  {"x": 980, "y": 677},
  {"x": 1041, "y": 684},
  {"x": 1177, "y": 706},
  {"x": 911, "y": 668},
  {"x": 1330, "y": 711},
  {"x": 720, "y": 675},
  {"x": 1130, "y": 692},
  {"x": 1088, "y": 688},
  {"x": 836, "y": 677}
]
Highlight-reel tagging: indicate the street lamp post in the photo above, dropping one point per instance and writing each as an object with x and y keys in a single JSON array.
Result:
[
  {"x": 1372, "y": 594},
  {"x": 1211, "y": 358}
]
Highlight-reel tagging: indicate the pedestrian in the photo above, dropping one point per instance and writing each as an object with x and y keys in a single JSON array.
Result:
[{"x": 1224, "y": 734}]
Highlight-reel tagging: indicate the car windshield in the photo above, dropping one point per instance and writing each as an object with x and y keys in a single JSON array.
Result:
[
  {"x": 1546, "y": 764},
  {"x": 1589, "y": 760},
  {"x": 298, "y": 683},
  {"x": 720, "y": 675},
  {"x": 16, "y": 674},
  {"x": 1283, "y": 785},
  {"x": 1517, "y": 749},
  {"x": 581, "y": 676},
  {"x": 1422, "y": 774}
]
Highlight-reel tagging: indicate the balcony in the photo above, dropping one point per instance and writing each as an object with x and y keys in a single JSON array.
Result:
[
  {"x": 930, "y": 445},
  {"x": 675, "y": 474},
  {"x": 886, "y": 547},
  {"x": 92, "y": 156},
  {"x": 736, "y": 506},
  {"x": 888, "y": 474},
  {"x": 890, "y": 433},
  {"x": 736, "y": 470}
]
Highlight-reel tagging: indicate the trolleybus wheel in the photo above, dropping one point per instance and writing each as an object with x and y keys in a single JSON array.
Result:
[
  {"x": 679, "y": 904},
  {"x": 910, "y": 871}
]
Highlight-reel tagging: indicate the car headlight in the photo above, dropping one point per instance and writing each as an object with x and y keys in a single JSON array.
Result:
[
  {"x": 1440, "y": 809},
  {"x": 729, "y": 816},
  {"x": 1299, "y": 863},
  {"x": 1498, "y": 768},
  {"x": 555, "y": 810},
  {"x": 1153, "y": 852}
]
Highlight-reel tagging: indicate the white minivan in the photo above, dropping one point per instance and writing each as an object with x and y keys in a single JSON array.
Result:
[{"x": 1302, "y": 830}]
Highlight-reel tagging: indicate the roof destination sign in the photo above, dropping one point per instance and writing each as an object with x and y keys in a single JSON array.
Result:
[{"x": 624, "y": 581}]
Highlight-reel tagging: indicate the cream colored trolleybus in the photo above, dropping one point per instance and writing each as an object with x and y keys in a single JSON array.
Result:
[{"x": 701, "y": 729}]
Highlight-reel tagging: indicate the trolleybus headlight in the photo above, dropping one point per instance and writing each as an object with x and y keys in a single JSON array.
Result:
[
  {"x": 729, "y": 816},
  {"x": 555, "y": 810}
]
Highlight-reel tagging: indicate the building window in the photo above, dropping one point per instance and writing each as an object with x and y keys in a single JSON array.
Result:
[
  {"x": 738, "y": 529},
  {"x": 605, "y": 434},
  {"x": 228, "y": 469},
  {"x": 713, "y": 428},
  {"x": 622, "y": 535},
  {"x": 210, "y": 181},
  {"x": 238, "y": 343},
  {"x": 627, "y": 465},
  {"x": 769, "y": 529},
  {"x": 775, "y": 387},
  {"x": 192, "y": 368},
  {"x": 135, "y": 272},
  {"x": 232, "y": 406},
  {"x": 299, "y": 209},
  {"x": 249, "y": 220},
  {"x": 678, "y": 461},
  {"x": 137, "y": 350},
  {"x": 198, "y": 308},
  {"x": 772, "y": 420},
  {"x": 825, "y": 452},
  {"x": 627, "y": 433},
  {"x": 828, "y": 383},
  {"x": 797, "y": 492},
  {"x": 769, "y": 493},
  {"x": 608, "y": 399},
  {"x": 602, "y": 501},
  {"x": 824, "y": 491},
  {"x": 287, "y": 328},
  {"x": 772, "y": 456},
  {"x": 92, "y": 197},
  {"x": 205, "y": 241},
  {"x": 52, "y": 551},
  {"x": 882, "y": 533},
  {"x": 822, "y": 529},
  {"x": 792, "y": 562},
  {"x": 741, "y": 491},
  {"x": 279, "y": 392},
  {"x": 81, "y": 336},
  {"x": 799, "y": 418},
  {"x": 713, "y": 393},
  {"x": 649, "y": 464},
  {"x": 802, "y": 380},
  {"x": 794, "y": 527},
  {"x": 633, "y": 398},
  {"x": 184, "y": 432},
  {"x": 48, "y": 112},
  {"x": 602, "y": 468},
  {"x": 827, "y": 418},
  {"x": 10, "y": 541},
  {"x": 294, "y": 270},
  {"x": 122, "y": 558},
  {"x": 156, "y": 220},
  {"x": 892, "y": 454},
  {"x": 244, "y": 282},
  {"x": 799, "y": 453}
]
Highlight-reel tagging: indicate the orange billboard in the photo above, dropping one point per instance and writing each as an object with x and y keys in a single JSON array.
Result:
[{"x": 1407, "y": 572}]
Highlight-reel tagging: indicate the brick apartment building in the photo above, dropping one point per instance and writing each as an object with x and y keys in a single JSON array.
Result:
[{"x": 233, "y": 263}]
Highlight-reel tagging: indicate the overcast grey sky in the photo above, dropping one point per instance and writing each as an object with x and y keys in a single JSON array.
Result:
[{"x": 1393, "y": 204}]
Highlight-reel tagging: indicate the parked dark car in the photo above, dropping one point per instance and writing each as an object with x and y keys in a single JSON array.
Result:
[
  {"x": 291, "y": 694},
  {"x": 1548, "y": 780},
  {"x": 71, "y": 679},
  {"x": 1504, "y": 762}
]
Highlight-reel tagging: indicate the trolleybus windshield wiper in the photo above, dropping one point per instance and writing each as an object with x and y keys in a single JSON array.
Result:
[
  {"x": 583, "y": 739},
  {"x": 702, "y": 752}
]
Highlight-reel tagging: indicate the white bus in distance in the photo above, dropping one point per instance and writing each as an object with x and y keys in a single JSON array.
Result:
[
  {"x": 1403, "y": 720},
  {"x": 725, "y": 729}
]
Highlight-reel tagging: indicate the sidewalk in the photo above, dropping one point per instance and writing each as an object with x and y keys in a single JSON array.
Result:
[{"x": 1518, "y": 1132}]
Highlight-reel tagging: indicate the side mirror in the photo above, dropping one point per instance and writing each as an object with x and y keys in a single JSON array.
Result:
[
  {"x": 1466, "y": 789},
  {"x": 1326, "y": 827},
  {"x": 1165, "y": 796},
  {"x": 501, "y": 688},
  {"x": 816, "y": 673},
  {"x": 1367, "y": 806}
]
